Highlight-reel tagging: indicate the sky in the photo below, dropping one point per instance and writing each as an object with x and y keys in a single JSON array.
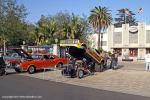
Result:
[{"x": 36, "y": 8}]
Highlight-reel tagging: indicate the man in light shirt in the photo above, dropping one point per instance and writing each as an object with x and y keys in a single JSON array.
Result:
[{"x": 147, "y": 60}]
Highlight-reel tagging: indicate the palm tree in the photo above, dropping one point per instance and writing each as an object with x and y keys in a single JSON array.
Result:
[{"x": 100, "y": 18}]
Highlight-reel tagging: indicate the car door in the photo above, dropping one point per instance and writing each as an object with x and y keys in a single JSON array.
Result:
[
  {"x": 51, "y": 62},
  {"x": 47, "y": 61},
  {"x": 41, "y": 62}
]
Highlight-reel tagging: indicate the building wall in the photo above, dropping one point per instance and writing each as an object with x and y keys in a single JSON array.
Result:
[{"x": 122, "y": 38}]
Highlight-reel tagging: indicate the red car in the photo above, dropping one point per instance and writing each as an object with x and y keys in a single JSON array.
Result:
[{"x": 39, "y": 61}]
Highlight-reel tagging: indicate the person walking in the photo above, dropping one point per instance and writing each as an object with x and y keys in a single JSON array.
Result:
[{"x": 147, "y": 61}]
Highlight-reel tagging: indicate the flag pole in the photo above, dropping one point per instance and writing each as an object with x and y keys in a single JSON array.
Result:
[{"x": 141, "y": 14}]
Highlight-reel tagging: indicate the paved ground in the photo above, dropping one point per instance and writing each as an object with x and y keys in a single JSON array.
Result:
[
  {"x": 131, "y": 78},
  {"x": 16, "y": 87}
]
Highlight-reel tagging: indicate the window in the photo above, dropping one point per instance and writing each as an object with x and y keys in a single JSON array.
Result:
[
  {"x": 133, "y": 37},
  {"x": 147, "y": 36},
  {"x": 117, "y": 38},
  {"x": 133, "y": 52},
  {"x": 147, "y": 50},
  {"x": 118, "y": 50}
]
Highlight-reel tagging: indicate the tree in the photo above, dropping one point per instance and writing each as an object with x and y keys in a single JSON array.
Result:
[
  {"x": 125, "y": 16},
  {"x": 100, "y": 18},
  {"x": 12, "y": 25},
  {"x": 61, "y": 26}
]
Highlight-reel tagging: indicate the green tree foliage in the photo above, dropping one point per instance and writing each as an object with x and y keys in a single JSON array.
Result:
[
  {"x": 12, "y": 22},
  {"x": 123, "y": 18},
  {"x": 100, "y": 18},
  {"x": 61, "y": 26}
]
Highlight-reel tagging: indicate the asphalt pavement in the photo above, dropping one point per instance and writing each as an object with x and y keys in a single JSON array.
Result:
[{"x": 17, "y": 87}]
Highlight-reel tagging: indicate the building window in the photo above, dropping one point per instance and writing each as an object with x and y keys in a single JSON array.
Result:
[
  {"x": 133, "y": 37},
  {"x": 147, "y": 36},
  {"x": 118, "y": 50},
  {"x": 133, "y": 52},
  {"x": 147, "y": 50},
  {"x": 117, "y": 38}
]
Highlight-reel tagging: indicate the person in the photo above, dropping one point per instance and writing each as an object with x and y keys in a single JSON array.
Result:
[
  {"x": 2, "y": 65},
  {"x": 114, "y": 61},
  {"x": 147, "y": 61}
]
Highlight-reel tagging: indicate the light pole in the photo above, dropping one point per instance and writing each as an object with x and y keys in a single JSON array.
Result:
[
  {"x": 56, "y": 47},
  {"x": 4, "y": 41},
  {"x": 56, "y": 41}
]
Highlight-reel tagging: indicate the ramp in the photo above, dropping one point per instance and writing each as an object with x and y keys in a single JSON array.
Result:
[{"x": 94, "y": 55}]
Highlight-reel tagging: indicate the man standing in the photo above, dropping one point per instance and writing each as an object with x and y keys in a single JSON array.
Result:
[
  {"x": 2, "y": 65},
  {"x": 147, "y": 61}
]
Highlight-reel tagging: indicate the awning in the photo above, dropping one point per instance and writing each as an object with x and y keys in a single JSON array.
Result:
[{"x": 71, "y": 45}]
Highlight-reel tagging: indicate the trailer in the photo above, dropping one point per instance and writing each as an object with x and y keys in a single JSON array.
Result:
[{"x": 83, "y": 61}]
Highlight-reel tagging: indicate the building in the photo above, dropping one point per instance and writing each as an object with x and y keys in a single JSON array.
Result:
[{"x": 133, "y": 41}]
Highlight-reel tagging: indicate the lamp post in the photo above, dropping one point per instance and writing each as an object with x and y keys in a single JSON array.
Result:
[
  {"x": 56, "y": 47},
  {"x": 56, "y": 40},
  {"x": 4, "y": 41}
]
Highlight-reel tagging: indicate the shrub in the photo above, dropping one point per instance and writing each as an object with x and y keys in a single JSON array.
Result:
[{"x": 29, "y": 50}]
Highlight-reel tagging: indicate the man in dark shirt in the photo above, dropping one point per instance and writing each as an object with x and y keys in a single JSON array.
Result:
[{"x": 2, "y": 65}]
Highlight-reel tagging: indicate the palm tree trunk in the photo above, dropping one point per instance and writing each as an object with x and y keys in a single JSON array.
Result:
[
  {"x": 99, "y": 34},
  {"x": 101, "y": 40}
]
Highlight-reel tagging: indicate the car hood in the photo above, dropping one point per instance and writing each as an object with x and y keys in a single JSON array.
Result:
[{"x": 22, "y": 53}]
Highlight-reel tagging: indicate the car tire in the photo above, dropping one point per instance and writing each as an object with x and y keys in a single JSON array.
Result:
[
  {"x": 80, "y": 73},
  {"x": 17, "y": 68},
  {"x": 59, "y": 65},
  {"x": 31, "y": 70}
]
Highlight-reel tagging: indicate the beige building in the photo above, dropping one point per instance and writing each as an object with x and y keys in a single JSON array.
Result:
[{"x": 133, "y": 41}]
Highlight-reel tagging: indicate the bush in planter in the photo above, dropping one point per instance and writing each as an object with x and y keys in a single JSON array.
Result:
[{"x": 29, "y": 50}]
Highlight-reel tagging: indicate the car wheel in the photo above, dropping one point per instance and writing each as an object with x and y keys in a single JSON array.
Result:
[
  {"x": 31, "y": 70},
  {"x": 17, "y": 68},
  {"x": 80, "y": 73},
  {"x": 59, "y": 65}
]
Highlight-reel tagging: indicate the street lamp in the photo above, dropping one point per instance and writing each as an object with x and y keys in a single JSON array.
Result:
[
  {"x": 23, "y": 42},
  {"x": 56, "y": 40},
  {"x": 4, "y": 41}
]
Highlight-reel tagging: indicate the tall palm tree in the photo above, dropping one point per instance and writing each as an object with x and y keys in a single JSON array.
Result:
[{"x": 100, "y": 18}]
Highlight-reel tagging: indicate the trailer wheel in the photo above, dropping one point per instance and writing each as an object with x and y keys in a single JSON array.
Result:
[{"x": 80, "y": 73}]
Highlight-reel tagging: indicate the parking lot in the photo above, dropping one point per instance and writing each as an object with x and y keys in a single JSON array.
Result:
[{"x": 130, "y": 78}]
